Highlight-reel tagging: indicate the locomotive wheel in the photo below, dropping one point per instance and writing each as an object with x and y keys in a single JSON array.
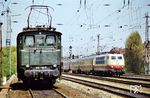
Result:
[
  {"x": 116, "y": 75},
  {"x": 79, "y": 71}
]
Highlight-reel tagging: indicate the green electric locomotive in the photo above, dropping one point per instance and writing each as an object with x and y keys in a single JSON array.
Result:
[
  {"x": 39, "y": 54},
  {"x": 39, "y": 51}
]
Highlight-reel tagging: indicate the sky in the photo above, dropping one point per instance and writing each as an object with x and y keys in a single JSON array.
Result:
[{"x": 82, "y": 21}]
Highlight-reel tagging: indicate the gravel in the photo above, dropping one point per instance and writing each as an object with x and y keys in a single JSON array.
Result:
[{"x": 80, "y": 91}]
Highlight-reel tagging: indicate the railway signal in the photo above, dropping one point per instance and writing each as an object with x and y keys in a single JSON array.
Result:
[{"x": 70, "y": 52}]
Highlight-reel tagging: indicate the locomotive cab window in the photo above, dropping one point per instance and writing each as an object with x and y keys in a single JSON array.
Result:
[
  {"x": 113, "y": 57},
  {"x": 40, "y": 40},
  {"x": 50, "y": 40},
  {"x": 29, "y": 41},
  {"x": 120, "y": 57}
]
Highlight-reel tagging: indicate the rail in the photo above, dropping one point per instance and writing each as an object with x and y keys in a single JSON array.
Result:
[
  {"x": 63, "y": 95},
  {"x": 53, "y": 93},
  {"x": 31, "y": 93}
]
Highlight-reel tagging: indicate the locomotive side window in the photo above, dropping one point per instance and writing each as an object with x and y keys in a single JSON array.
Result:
[
  {"x": 29, "y": 40},
  {"x": 50, "y": 40},
  {"x": 100, "y": 60}
]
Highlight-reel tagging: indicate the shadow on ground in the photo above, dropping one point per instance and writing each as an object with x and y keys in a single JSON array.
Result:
[{"x": 34, "y": 86}]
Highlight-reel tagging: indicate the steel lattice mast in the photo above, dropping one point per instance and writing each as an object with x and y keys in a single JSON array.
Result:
[
  {"x": 8, "y": 38},
  {"x": 147, "y": 46},
  {"x": 1, "y": 70}
]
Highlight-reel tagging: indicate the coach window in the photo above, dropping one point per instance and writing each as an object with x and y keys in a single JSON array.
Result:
[
  {"x": 50, "y": 40},
  {"x": 29, "y": 41}
]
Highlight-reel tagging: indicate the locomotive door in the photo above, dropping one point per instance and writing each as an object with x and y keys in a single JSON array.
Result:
[
  {"x": 45, "y": 53},
  {"x": 38, "y": 53},
  {"x": 34, "y": 52}
]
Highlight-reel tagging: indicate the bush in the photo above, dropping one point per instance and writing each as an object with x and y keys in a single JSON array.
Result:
[{"x": 6, "y": 61}]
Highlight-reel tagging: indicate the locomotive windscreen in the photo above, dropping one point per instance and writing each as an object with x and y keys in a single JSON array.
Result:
[{"x": 40, "y": 48}]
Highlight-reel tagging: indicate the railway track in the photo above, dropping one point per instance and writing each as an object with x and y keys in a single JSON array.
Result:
[
  {"x": 125, "y": 80},
  {"x": 16, "y": 89},
  {"x": 109, "y": 88},
  {"x": 46, "y": 94}
]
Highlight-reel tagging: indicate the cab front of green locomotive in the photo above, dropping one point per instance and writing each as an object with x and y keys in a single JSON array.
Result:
[{"x": 40, "y": 55}]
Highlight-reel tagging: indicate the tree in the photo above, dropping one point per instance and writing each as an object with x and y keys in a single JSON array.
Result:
[
  {"x": 134, "y": 53},
  {"x": 5, "y": 62}
]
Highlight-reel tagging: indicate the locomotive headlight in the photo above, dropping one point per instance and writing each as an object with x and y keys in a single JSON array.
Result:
[
  {"x": 27, "y": 66},
  {"x": 54, "y": 65}
]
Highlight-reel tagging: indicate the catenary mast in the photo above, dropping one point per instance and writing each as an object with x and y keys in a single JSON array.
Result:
[{"x": 147, "y": 46}]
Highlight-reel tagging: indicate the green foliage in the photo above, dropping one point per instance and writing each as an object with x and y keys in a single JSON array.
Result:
[
  {"x": 6, "y": 61},
  {"x": 134, "y": 53}
]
